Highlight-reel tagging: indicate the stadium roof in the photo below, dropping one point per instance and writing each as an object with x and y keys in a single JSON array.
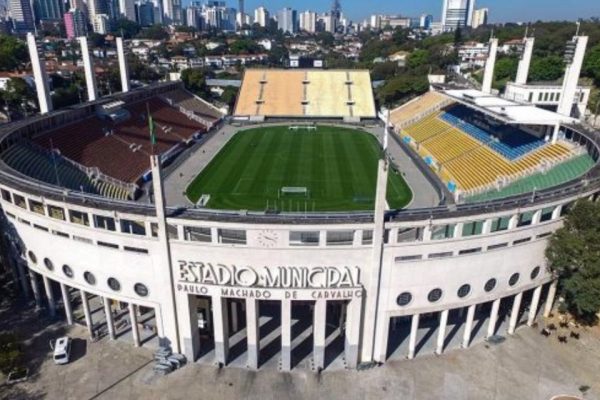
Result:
[{"x": 508, "y": 111}]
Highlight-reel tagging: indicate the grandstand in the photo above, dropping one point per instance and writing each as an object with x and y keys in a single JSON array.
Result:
[
  {"x": 189, "y": 104},
  {"x": 51, "y": 168},
  {"x": 470, "y": 154},
  {"x": 121, "y": 150},
  {"x": 269, "y": 93}
]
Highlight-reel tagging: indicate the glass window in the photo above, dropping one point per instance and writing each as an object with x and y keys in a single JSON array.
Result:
[
  {"x": 56, "y": 212},
  {"x": 114, "y": 284},
  {"x": 36, "y": 207},
  {"x": 566, "y": 208},
  {"x": 441, "y": 232},
  {"x": 409, "y": 258},
  {"x": 172, "y": 232},
  {"x": 106, "y": 244},
  {"x": 78, "y": 217},
  {"x": 67, "y": 271},
  {"x": 6, "y": 195},
  {"x": 410, "y": 235},
  {"x": 525, "y": 219},
  {"x": 135, "y": 249},
  {"x": 464, "y": 291},
  {"x": 434, "y": 295},
  {"x": 89, "y": 277},
  {"x": 490, "y": 285},
  {"x": 443, "y": 254},
  {"x": 500, "y": 224},
  {"x": 470, "y": 251},
  {"x": 198, "y": 234},
  {"x": 310, "y": 238},
  {"x": 133, "y": 227},
  {"x": 20, "y": 201},
  {"x": 404, "y": 299},
  {"x": 535, "y": 273},
  {"x": 140, "y": 289},
  {"x": 32, "y": 256},
  {"x": 340, "y": 238},
  {"x": 472, "y": 228},
  {"x": 514, "y": 278},
  {"x": 107, "y": 223},
  {"x": 547, "y": 214},
  {"x": 232, "y": 236},
  {"x": 48, "y": 264},
  {"x": 497, "y": 246},
  {"x": 367, "y": 237},
  {"x": 521, "y": 241}
]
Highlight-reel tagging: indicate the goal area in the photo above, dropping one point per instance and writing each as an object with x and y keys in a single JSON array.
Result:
[{"x": 296, "y": 191}]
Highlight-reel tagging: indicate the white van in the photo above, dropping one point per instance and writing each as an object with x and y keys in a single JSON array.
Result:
[{"x": 62, "y": 350}]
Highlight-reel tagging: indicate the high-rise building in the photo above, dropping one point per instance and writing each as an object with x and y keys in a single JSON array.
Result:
[
  {"x": 480, "y": 17},
  {"x": 287, "y": 20},
  {"x": 457, "y": 13},
  {"x": 75, "y": 23},
  {"x": 329, "y": 22},
  {"x": 48, "y": 10},
  {"x": 261, "y": 16},
  {"x": 21, "y": 16},
  {"x": 375, "y": 22},
  {"x": 425, "y": 21},
  {"x": 217, "y": 15},
  {"x": 101, "y": 23},
  {"x": 308, "y": 21},
  {"x": 172, "y": 11},
  {"x": 193, "y": 17},
  {"x": 336, "y": 9},
  {"x": 145, "y": 13},
  {"x": 127, "y": 9}
]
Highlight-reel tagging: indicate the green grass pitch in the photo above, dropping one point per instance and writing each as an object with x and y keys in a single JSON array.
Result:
[{"x": 337, "y": 165}]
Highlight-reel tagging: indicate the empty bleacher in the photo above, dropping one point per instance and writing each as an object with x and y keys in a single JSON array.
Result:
[
  {"x": 470, "y": 159},
  {"x": 514, "y": 143},
  {"x": 182, "y": 98},
  {"x": 122, "y": 150},
  {"x": 53, "y": 169},
  {"x": 425, "y": 104}
]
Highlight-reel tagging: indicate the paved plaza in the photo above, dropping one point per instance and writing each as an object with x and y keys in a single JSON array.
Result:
[{"x": 525, "y": 366}]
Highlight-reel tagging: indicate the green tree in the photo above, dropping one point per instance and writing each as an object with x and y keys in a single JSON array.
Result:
[
  {"x": 13, "y": 53},
  {"x": 154, "y": 32},
  {"x": 126, "y": 28},
  {"x": 325, "y": 39},
  {"x": 401, "y": 88},
  {"x": 592, "y": 64},
  {"x": 10, "y": 352},
  {"x": 417, "y": 59},
  {"x": 574, "y": 256},
  {"x": 548, "y": 68},
  {"x": 195, "y": 81}
]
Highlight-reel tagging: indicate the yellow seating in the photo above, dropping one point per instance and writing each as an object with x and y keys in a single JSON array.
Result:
[
  {"x": 427, "y": 128},
  {"x": 415, "y": 107}
]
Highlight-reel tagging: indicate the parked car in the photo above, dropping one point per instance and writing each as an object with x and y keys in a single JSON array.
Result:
[{"x": 62, "y": 350}]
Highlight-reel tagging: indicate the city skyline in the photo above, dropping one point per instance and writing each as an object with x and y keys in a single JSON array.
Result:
[{"x": 500, "y": 11}]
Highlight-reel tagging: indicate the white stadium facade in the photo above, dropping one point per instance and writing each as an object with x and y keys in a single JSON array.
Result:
[{"x": 288, "y": 290}]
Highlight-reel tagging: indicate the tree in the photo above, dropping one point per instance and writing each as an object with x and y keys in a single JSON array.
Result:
[
  {"x": 154, "y": 32},
  {"x": 417, "y": 59},
  {"x": 548, "y": 68},
  {"x": 574, "y": 256},
  {"x": 229, "y": 95},
  {"x": 10, "y": 352},
  {"x": 325, "y": 39},
  {"x": 195, "y": 81},
  {"x": 13, "y": 53},
  {"x": 126, "y": 28},
  {"x": 592, "y": 64},
  {"x": 401, "y": 88}
]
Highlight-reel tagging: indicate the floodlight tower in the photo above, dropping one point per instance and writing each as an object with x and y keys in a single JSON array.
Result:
[
  {"x": 525, "y": 61},
  {"x": 573, "y": 58},
  {"x": 40, "y": 75},
  {"x": 488, "y": 76}
]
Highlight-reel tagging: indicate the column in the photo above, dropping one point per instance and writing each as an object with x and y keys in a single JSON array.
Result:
[
  {"x": 514, "y": 314},
  {"x": 110, "y": 324},
  {"x": 352, "y": 332},
  {"x": 468, "y": 326},
  {"x": 22, "y": 277},
  {"x": 221, "y": 329},
  {"x": 319, "y": 322},
  {"x": 134, "y": 324},
  {"x": 442, "y": 332},
  {"x": 67, "y": 303},
  {"x": 412, "y": 343},
  {"x": 534, "y": 305},
  {"x": 556, "y": 212},
  {"x": 252, "y": 333},
  {"x": 35, "y": 288},
  {"x": 86, "y": 312},
  {"x": 49, "y": 296},
  {"x": 381, "y": 338},
  {"x": 493, "y": 318},
  {"x": 286, "y": 335},
  {"x": 550, "y": 298}
]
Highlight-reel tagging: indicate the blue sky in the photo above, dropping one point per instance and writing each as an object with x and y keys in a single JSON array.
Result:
[{"x": 500, "y": 10}]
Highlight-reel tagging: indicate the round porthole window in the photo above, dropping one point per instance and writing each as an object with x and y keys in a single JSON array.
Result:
[
  {"x": 464, "y": 290},
  {"x": 514, "y": 278},
  {"x": 114, "y": 284},
  {"x": 67, "y": 271},
  {"x": 434, "y": 295},
  {"x": 140, "y": 289},
  {"x": 48, "y": 264},
  {"x": 490, "y": 285},
  {"x": 404, "y": 299},
  {"x": 89, "y": 278},
  {"x": 535, "y": 272},
  {"x": 32, "y": 256}
]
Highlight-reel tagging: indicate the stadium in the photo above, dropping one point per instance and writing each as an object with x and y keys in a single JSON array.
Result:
[{"x": 305, "y": 231}]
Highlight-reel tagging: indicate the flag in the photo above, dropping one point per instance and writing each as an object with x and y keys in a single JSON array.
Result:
[{"x": 151, "y": 127}]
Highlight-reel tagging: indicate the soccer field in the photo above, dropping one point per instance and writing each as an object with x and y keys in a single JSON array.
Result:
[{"x": 337, "y": 166}]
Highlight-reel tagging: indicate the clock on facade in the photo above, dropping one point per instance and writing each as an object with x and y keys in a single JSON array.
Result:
[{"x": 268, "y": 238}]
